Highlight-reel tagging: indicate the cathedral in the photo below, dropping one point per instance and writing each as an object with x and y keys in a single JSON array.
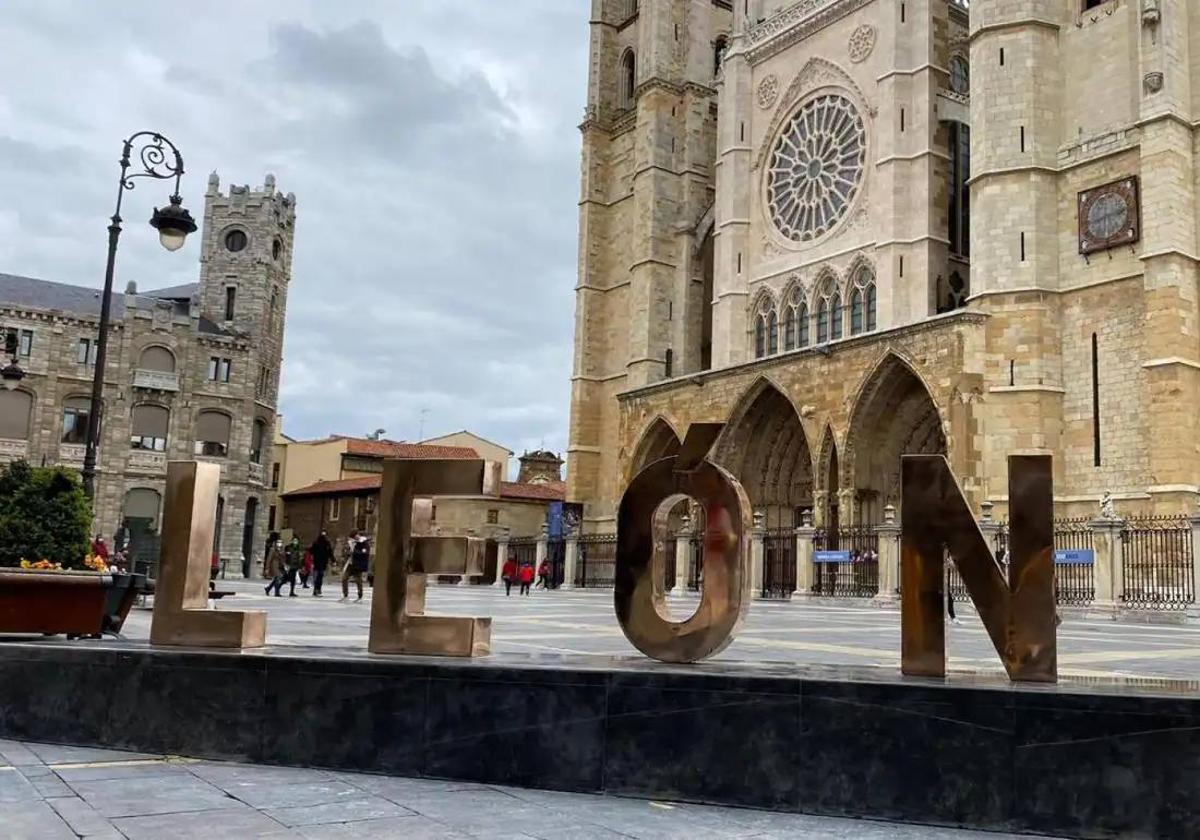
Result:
[{"x": 856, "y": 229}]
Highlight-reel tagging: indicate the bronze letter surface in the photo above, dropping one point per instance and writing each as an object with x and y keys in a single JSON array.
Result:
[
  {"x": 402, "y": 563},
  {"x": 1018, "y": 613},
  {"x": 181, "y": 616},
  {"x": 638, "y": 593}
]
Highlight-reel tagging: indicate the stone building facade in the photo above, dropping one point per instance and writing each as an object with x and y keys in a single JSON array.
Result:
[
  {"x": 856, "y": 229},
  {"x": 192, "y": 373}
]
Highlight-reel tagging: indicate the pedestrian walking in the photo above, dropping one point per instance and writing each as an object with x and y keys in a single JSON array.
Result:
[
  {"x": 360, "y": 561},
  {"x": 526, "y": 578},
  {"x": 100, "y": 548},
  {"x": 322, "y": 556},
  {"x": 293, "y": 559},
  {"x": 267, "y": 572},
  {"x": 306, "y": 569},
  {"x": 543, "y": 574},
  {"x": 274, "y": 568},
  {"x": 509, "y": 575}
]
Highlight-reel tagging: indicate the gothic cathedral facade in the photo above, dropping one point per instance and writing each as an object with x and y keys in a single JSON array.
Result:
[{"x": 856, "y": 229}]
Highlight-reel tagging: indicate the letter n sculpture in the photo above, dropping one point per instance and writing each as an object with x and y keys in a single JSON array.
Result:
[
  {"x": 640, "y": 599},
  {"x": 181, "y": 616},
  {"x": 1017, "y": 610},
  {"x": 403, "y": 562}
]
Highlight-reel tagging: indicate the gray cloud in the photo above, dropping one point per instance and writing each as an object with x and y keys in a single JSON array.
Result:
[{"x": 436, "y": 168}]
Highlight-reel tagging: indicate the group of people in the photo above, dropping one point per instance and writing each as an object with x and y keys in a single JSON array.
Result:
[
  {"x": 292, "y": 562},
  {"x": 522, "y": 574}
]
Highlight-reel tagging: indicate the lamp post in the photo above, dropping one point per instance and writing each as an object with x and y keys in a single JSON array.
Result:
[
  {"x": 11, "y": 374},
  {"x": 157, "y": 158}
]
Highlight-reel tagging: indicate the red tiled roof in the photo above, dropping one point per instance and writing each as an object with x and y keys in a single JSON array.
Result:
[
  {"x": 551, "y": 491},
  {"x": 396, "y": 449},
  {"x": 330, "y": 488}
]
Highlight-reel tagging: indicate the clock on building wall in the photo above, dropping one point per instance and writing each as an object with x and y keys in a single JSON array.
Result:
[{"x": 1109, "y": 215}]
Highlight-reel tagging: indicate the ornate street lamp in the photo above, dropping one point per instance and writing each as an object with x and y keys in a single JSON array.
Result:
[
  {"x": 11, "y": 374},
  {"x": 158, "y": 158}
]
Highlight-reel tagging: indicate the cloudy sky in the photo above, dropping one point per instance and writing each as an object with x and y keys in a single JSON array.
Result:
[{"x": 433, "y": 151}]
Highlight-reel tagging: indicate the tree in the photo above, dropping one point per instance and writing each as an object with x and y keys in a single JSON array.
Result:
[{"x": 44, "y": 515}]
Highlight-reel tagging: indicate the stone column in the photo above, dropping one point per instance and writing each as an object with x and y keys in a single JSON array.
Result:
[
  {"x": 1107, "y": 572},
  {"x": 758, "y": 553},
  {"x": 683, "y": 553},
  {"x": 804, "y": 554},
  {"x": 465, "y": 580},
  {"x": 820, "y": 508},
  {"x": 501, "y": 554},
  {"x": 889, "y": 557},
  {"x": 989, "y": 526},
  {"x": 847, "y": 509},
  {"x": 570, "y": 559},
  {"x": 543, "y": 548}
]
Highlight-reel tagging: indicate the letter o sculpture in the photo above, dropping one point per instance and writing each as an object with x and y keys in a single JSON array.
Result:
[{"x": 638, "y": 590}]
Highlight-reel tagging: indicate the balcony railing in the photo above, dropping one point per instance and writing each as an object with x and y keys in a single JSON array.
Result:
[
  {"x": 156, "y": 380},
  {"x": 258, "y": 475},
  {"x": 141, "y": 460}
]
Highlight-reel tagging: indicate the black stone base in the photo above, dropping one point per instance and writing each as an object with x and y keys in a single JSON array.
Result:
[{"x": 1097, "y": 760}]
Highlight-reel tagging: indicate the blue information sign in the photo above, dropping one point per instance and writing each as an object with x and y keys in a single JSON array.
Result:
[
  {"x": 831, "y": 556},
  {"x": 1074, "y": 557}
]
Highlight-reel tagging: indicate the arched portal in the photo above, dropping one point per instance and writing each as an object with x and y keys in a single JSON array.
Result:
[
  {"x": 764, "y": 445},
  {"x": 894, "y": 416},
  {"x": 658, "y": 442}
]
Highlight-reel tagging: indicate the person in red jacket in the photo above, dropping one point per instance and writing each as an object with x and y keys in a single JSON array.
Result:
[
  {"x": 509, "y": 575},
  {"x": 526, "y": 578}
]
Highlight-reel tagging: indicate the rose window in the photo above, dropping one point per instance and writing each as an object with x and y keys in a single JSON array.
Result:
[{"x": 816, "y": 168}]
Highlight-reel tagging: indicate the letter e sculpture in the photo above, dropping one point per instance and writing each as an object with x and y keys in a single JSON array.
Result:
[{"x": 403, "y": 562}]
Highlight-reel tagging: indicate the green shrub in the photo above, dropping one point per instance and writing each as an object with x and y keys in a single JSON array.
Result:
[{"x": 44, "y": 515}]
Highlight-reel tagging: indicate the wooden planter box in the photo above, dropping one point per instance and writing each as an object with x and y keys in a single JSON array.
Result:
[{"x": 74, "y": 603}]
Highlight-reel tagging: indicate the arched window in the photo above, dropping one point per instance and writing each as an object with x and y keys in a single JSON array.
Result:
[
  {"x": 960, "y": 75},
  {"x": 719, "y": 47},
  {"x": 16, "y": 407},
  {"x": 803, "y": 319},
  {"x": 823, "y": 321},
  {"x": 258, "y": 435},
  {"x": 835, "y": 317},
  {"x": 862, "y": 301},
  {"x": 856, "y": 311},
  {"x": 142, "y": 506},
  {"x": 157, "y": 358},
  {"x": 789, "y": 329},
  {"x": 75, "y": 419},
  {"x": 760, "y": 336},
  {"x": 149, "y": 428},
  {"x": 871, "y": 307},
  {"x": 212, "y": 434},
  {"x": 628, "y": 78},
  {"x": 772, "y": 333}
]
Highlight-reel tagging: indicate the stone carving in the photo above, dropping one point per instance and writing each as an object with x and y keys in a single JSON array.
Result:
[
  {"x": 1153, "y": 82},
  {"x": 768, "y": 91},
  {"x": 1107, "y": 509},
  {"x": 1151, "y": 13},
  {"x": 796, "y": 23},
  {"x": 862, "y": 42}
]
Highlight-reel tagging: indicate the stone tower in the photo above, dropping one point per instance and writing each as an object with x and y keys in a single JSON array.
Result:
[
  {"x": 644, "y": 293},
  {"x": 245, "y": 267},
  {"x": 539, "y": 467}
]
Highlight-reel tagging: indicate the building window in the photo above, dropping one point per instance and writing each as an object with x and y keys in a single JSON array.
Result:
[
  {"x": 719, "y": 48},
  {"x": 236, "y": 240},
  {"x": 212, "y": 434},
  {"x": 823, "y": 321},
  {"x": 1092, "y": 4},
  {"x": 271, "y": 518},
  {"x": 25, "y": 344},
  {"x": 960, "y": 75},
  {"x": 219, "y": 369},
  {"x": 789, "y": 329},
  {"x": 960, "y": 190},
  {"x": 257, "y": 435},
  {"x": 277, "y": 249},
  {"x": 85, "y": 351},
  {"x": 493, "y": 517},
  {"x": 75, "y": 419},
  {"x": 871, "y": 321},
  {"x": 804, "y": 326},
  {"x": 16, "y": 407},
  {"x": 230, "y": 302},
  {"x": 772, "y": 334},
  {"x": 862, "y": 302},
  {"x": 433, "y": 513},
  {"x": 335, "y": 509},
  {"x": 835, "y": 317},
  {"x": 149, "y": 428},
  {"x": 275, "y": 476},
  {"x": 760, "y": 337},
  {"x": 157, "y": 358},
  {"x": 628, "y": 78}
]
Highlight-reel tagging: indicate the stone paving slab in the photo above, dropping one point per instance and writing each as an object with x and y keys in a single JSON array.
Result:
[{"x": 197, "y": 800}]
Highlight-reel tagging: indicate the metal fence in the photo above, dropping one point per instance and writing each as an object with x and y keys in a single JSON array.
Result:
[
  {"x": 1156, "y": 562},
  {"x": 1074, "y": 577},
  {"x": 779, "y": 563},
  {"x": 522, "y": 550},
  {"x": 596, "y": 565},
  {"x": 696, "y": 562},
  {"x": 556, "y": 558},
  {"x": 846, "y": 562}
]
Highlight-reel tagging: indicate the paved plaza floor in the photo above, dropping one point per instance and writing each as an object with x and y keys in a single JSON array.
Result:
[
  {"x": 60, "y": 793},
  {"x": 850, "y": 633}
]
